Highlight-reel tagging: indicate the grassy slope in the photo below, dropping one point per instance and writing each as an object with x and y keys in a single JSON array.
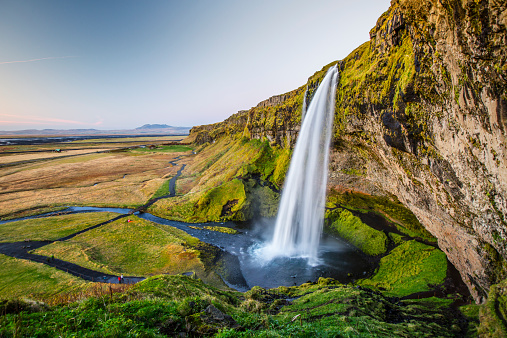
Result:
[
  {"x": 220, "y": 188},
  {"x": 173, "y": 305},
  {"x": 349, "y": 227}
]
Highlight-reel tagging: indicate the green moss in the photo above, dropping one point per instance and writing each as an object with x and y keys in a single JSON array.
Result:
[
  {"x": 214, "y": 205},
  {"x": 471, "y": 313},
  {"x": 349, "y": 227},
  {"x": 397, "y": 239},
  {"x": 281, "y": 166},
  {"x": 176, "y": 305},
  {"x": 409, "y": 268},
  {"x": 390, "y": 208},
  {"x": 493, "y": 314},
  {"x": 263, "y": 201}
]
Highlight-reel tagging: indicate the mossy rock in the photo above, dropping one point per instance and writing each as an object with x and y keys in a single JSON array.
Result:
[
  {"x": 493, "y": 314},
  {"x": 222, "y": 202},
  {"x": 388, "y": 207},
  {"x": 349, "y": 227},
  {"x": 409, "y": 268}
]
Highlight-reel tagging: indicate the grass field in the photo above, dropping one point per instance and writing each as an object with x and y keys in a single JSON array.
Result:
[
  {"x": 22, "y": 278},
  {"x": 164, "y": 149},
  {"x": 132, "y": 139},
  {"x": 50, "y": 228},
  {"x": 11, "y": 158},
  {"x": 118, "y": 179},
  {"x": 139, "y": 248},
  {"x": 409, "y": 268}
]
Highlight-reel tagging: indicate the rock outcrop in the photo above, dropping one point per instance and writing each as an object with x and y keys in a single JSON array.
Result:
[{"x": 421, "y": 113}]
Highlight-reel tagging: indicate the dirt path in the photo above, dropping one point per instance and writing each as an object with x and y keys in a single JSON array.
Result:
[{"x": 22, "y": 250}]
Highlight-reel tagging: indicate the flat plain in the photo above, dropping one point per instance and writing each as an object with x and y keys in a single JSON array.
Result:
[{"x": 117, "y": 173}]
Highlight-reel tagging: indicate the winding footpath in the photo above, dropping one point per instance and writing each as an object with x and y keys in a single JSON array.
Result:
[{"x": 22, "y": 250}]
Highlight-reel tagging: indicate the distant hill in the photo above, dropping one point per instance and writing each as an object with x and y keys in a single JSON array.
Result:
[
  {"x": 152, "y": 129},
  {"x": 156, "y": 126}
]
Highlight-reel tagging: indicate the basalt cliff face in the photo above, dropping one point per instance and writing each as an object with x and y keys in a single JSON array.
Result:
[{"x": 421, "y": 114}]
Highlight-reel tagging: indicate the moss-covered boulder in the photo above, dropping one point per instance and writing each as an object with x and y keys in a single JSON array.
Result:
[
  {"x": 349, "y": 227},
  {"x": 409, "y": 268}
]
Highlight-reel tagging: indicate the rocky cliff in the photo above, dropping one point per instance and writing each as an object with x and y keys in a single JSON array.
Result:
[{"x": 421, "y": 114}]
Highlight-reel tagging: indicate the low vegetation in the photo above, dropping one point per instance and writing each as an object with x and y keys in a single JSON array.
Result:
[
  {"x": 228, "y": 180},
  {"x": 163, "y": 149},
  {"x": 110, "y": 179},
  {"x": 50, "y": 228},
  {"x": 21, "y": 278},
  {"x": 179, "y": 305}
]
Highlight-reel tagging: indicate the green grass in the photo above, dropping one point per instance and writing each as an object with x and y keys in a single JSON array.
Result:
[
  {"x": 349, "y": 227},
  {"x": 223, "y": 174},
  {"x": 50, "y": 228},
  {"x": 164, "y": 149},
  {"x": 224, "y": 230},
  {"x": 136, "y": 248},
  {"x": 163, "y": 190},
  {"x": 21, "y": 278},
  {"x": 408, "y": 269},
  {"x": 211, "y": 206},
  {"x": 174, "y": 305}
]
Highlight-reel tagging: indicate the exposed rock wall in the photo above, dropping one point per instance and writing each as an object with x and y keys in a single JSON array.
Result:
[
  {"x": 421, "y": 113},
  {"x": 425, "y": 102}
]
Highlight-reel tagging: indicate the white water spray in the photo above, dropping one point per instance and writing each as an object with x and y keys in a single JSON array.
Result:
[{"x": 301, "y": 213}]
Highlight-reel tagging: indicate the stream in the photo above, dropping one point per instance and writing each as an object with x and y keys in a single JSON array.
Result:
[
  {"x": 239, "y": 261},
  {"x": 241, "y": 265}
]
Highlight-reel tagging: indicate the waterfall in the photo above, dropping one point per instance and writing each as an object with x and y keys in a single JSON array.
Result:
[{"x": 301, "y": 213}]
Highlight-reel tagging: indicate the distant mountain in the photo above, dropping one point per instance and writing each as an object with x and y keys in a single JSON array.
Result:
[
  {"x": 156, "y": 126},
  {"x": 152, "y": 129}
]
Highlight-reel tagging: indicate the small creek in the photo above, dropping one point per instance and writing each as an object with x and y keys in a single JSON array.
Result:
[{"x": 241, "y": 267}]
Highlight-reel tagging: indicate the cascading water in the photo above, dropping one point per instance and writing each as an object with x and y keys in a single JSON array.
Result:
[{"x": 301, "y": 213}]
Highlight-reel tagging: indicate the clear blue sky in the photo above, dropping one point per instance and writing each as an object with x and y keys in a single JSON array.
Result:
[{"x": 121, "y": 64}]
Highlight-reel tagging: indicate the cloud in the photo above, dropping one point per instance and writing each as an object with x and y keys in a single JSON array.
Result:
[
  {"x": 45, "y": 120},
  {"x": 32, "y": 60}
]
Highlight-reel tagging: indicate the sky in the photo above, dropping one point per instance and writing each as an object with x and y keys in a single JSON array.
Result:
[{"x": 120, "y": 64}]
